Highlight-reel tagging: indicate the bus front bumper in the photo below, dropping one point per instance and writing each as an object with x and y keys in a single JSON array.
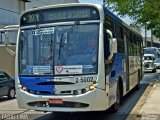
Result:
[{"x": 95, "y": 100}]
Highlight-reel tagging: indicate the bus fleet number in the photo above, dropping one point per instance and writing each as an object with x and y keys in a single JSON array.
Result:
[{"x": 84, "y": 79}]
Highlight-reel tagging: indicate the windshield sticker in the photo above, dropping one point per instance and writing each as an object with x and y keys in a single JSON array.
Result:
[
  {"x": 43, "y": 31},
  {"x": 76, "y": 69},
  {"x": 41, "y": 69},
  {"x": 29, "y": 69},
  {"x": 38, "y": 69}
]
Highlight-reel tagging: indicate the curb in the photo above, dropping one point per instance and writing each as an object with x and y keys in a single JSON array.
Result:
[{"x": 136, "y": 113}]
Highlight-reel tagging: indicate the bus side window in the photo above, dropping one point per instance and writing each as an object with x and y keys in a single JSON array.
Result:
[
  {"x": 107, "y": 52},
  {"x": 108, "y": 24},
  {"x": 119, "y": 37},
  {"x": 106, "y": 46}
]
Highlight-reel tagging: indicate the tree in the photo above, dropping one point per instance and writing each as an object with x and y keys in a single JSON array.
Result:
[{"x": 142, "y": 12}]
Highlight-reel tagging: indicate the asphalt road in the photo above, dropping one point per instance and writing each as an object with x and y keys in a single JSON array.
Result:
[
  {"x": 9, "y": 109},
  {"x": 151, "y": 77}
]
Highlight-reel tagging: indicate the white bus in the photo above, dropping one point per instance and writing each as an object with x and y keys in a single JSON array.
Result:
[
  {"x": 152, "y": 50},
  {"x": 75, "y": 57}
]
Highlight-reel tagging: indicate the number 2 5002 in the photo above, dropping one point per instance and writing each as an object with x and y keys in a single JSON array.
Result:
[{"x": 84, "y": 79}]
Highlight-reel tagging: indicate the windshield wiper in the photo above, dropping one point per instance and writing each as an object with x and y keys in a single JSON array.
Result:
[
  {"x": 63, "y": 37},
  {"x": 72, "y": 28}
]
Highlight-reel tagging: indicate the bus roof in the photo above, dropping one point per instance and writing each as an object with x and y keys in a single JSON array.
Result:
[
  {"x": 62, "y": 5},
  {"x": 106, "y": 11}
]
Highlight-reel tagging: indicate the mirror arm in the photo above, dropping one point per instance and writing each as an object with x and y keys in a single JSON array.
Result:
[
  {"x": 111, "y": 43},
  {"x": 110, "y": 33}
]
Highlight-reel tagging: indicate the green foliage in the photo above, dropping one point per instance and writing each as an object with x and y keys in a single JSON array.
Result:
[{"x": 142, "y": 12}]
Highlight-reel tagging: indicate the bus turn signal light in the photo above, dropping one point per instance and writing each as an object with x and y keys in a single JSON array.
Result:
[
  {"x": 94, "y": 82},
  {"x": 91, "y": 87}
]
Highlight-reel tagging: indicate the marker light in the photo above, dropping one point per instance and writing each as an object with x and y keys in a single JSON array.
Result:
[
  {"x": 23, "y": 88},
  {"x": 91, "y": 87},
  {"x": 94, "y": 82}
]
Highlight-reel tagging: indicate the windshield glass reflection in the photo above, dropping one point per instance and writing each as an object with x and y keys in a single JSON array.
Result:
[{"x": 59, "y": 50}]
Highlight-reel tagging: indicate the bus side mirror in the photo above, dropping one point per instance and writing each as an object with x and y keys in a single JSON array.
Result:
[{"x": 112, "y": 44}]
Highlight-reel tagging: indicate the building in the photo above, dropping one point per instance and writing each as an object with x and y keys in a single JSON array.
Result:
[
  {"x": 38, "y": 3},
  {"x": 10, "y": 11},
  {"x": 156, "y": 42}
]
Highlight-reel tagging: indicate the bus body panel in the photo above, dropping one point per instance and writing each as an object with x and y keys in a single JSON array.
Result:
[
  {"x": 91, "y": 98},
  {"x": 134, "y": 68},
  {"x": 118, "y": 71}
]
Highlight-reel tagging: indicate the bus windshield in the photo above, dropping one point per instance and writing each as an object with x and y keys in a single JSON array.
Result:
[
  {"x": 68, "y": 49},
  {"x": 150, "y": 51},
  {"x": 148, "y": 58}
]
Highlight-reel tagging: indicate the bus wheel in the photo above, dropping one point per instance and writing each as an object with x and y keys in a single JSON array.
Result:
[{"x": 116, "y": 105}]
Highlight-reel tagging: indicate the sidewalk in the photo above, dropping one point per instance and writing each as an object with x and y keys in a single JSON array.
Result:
[{"x": 149, "y": 109}]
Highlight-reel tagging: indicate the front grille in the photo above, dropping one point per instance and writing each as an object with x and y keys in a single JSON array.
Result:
[
  {"x": 66, "y": 104},
  {"x": 146, "y": 65},
  {"x": 66, "y": 92}
]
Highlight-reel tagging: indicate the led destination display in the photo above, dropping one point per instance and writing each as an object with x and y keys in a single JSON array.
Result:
[{"x": 62, "y": 14}]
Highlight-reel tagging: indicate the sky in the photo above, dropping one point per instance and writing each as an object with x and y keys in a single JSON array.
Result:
[{"x": 127, "y": 20}]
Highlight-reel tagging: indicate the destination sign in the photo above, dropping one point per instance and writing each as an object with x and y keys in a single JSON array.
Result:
[
  {"x": 62, "y": 14},
  {"x": 52, "y": 16}
]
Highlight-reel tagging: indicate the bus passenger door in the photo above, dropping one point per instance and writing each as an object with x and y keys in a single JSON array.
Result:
[{"x": 126, "y": 62}]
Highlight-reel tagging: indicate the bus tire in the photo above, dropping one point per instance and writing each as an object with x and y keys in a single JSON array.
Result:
[{"x": 116, "y": 105}]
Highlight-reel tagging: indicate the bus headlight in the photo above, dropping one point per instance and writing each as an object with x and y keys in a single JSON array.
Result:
[
  {"x": 23, "y": 88},
  {"x": 91, "y": 87}
]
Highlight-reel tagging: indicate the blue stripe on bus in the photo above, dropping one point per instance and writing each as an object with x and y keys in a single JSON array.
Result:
[
  {"x": 117, "y": 68},
  {"x": 35, "y": 84}
]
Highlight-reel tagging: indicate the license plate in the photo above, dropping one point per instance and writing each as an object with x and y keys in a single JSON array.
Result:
[{"x": 55, "y": 101}]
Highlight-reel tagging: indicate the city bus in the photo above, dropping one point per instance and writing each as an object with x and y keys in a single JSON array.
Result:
[{"x": 75, "y": 57}]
